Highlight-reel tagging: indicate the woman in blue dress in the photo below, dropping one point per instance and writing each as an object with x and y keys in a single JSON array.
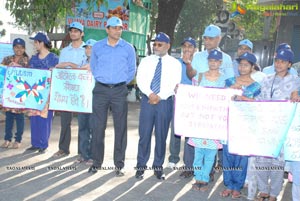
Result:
[
  {"x": 235, "y": 166},
  {"x": 41, "y": 121}
]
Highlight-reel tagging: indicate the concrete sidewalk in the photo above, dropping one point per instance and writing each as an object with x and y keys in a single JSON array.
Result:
[{"x": 34, "y": 176}]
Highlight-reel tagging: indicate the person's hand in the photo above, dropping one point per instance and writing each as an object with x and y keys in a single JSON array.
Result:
[
  {"x": 153, "y": 99},
  {"x": 187, "y": 57},
  {"x": 295, "y": 97},
  {"x": 62, "y": 65},
  {"x": 236, "y": 86},
  {"x": 14, "y": 64},
  {"x": 86, "y": 67}
]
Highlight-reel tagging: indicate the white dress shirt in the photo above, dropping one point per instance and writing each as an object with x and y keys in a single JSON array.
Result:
[{"x": 170, "y": 75}]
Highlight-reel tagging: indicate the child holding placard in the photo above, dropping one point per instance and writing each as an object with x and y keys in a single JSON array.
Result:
[{"x": 206, "y": 149}]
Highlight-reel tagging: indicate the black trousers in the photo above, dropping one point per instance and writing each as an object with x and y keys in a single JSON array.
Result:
[
  {"x": 104, "y": 98},
  {"x": 65, "y": 131}
]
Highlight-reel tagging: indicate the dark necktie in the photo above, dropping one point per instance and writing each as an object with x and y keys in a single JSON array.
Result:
[{"x": 155, "y": 84}]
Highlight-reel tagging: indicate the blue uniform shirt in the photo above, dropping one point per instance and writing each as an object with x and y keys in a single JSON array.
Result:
[
  {"x": 112, "y": 65},
  {"x": 184, "y": 77},
  {"x": 74, "y": 55}
]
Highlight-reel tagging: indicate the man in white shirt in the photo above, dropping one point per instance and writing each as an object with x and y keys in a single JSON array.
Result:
[{"x": 157, "y": 78}]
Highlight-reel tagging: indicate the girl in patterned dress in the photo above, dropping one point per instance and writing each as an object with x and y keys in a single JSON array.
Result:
[
  {"x": 206, "y": 149},
  {"x": 19, "y": 59},
  {"x": 279, "y": 86}
]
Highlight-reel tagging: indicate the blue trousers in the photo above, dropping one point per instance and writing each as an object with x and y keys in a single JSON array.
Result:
[
  {"x": 153, "y": 116},
  {"x": 9, "y": 124},
  {"x": 84, "y": 135},
  {"x": 203, "y": 163},
  {"x": 40, "y": 130},
  {"x": 234, "y": 170}
]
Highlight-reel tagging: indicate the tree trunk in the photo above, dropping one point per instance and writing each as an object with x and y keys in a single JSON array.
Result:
[{"x": 168, "y": 13}]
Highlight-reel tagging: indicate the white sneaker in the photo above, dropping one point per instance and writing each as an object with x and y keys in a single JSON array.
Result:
[{"x": 171, "y": 165}]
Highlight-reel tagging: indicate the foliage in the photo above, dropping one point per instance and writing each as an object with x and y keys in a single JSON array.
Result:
[
  {"x": 194, "y": 17},
  {"x": 163, "y": 17},
  {"x": 55, "y": 51},
  {"x": 40, "y": 15},
  {"x": 2, "y": 32},
  {"x": 252, "y": 23},
  {"x": 153, "y": 18}
]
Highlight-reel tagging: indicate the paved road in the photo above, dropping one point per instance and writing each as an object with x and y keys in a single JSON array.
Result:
[{"x": 48, "y": 178}]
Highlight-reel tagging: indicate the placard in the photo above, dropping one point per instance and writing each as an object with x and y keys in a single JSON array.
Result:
[
  {"x": 2, "y": 76},
  {"x": 202, "y": 112},
  {"x": 71, "y": 90},
  {"x": 258, "y": 128},
  {"x": 26, "y": 88},
  {"x": 6, "y": 49},
  {"x": 292, "y": 142}
]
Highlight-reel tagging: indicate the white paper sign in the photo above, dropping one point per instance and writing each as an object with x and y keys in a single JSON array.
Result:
[
  {"x": 292, "y": 143},
  {"x": 202, "y": 112},
  {"x": 258, "y": 128}
]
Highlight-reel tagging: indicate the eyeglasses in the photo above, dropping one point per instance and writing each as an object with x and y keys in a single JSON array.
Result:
[{"x": 157, "y": 45}]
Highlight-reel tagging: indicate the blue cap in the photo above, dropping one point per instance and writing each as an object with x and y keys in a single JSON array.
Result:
[
  {"x": 283, "y": 46},
  {"x": 285, "y": 55},
  {"x": 19, "y": 41},
  {"x": 190, "y": 40},
  {"x": 215, "y": 54},
  {"x": 247, "y": 56},
  {"x": 212, "y": 31},
  {"x": 246, "y": 42},
  {"x": 162, "y": 37},
  {"x": 41, "y": 37},
  {"x": 114, "y": 22},
  {"x": 90, "y": 42},
  {"x": 76, "y": 25}
]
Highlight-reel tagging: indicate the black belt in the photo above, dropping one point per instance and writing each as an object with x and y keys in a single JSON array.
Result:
[{"x": 112, "y": 85}]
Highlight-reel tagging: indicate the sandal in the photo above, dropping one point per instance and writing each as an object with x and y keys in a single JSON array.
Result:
[
  {"x": 60, "y": 153},
  {"x": 262, "y": 197},
  {"x": 187, "y": 174},
  {"x": 6, "y": 144},
  {"x": 271, "y": 198},
  {"x": 16, "y": 145},
  {"x": 226, "y": 193},
  {"x": 235, "y": 194},
  {"x": 200, "y": 186}
]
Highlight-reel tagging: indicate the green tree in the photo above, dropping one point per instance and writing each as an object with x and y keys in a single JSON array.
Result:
[
  {"x": 40, "y": 15},
  {"x": 2, "y": 32},
  {"x": 194, "y": 17},
  {"x": 164, "y": 16},
  {"x": 254, "y": 24},
  {"x": 168, "y": 13}
]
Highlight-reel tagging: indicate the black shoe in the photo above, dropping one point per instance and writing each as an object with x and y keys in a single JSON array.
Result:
[
  {"x": 93, "y": 169},
  {"x": 42, "y": 150},
  {"x": 187, "y": 174},
  {"x": 139, "y": 174},
  {"x": 159, "y": 174},
  {"x": 120, "y": 172},
  {"x": 32, "y": 148}
]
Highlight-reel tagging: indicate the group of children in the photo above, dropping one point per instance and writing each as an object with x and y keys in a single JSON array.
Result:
[{"x": 273, "y": 87}]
